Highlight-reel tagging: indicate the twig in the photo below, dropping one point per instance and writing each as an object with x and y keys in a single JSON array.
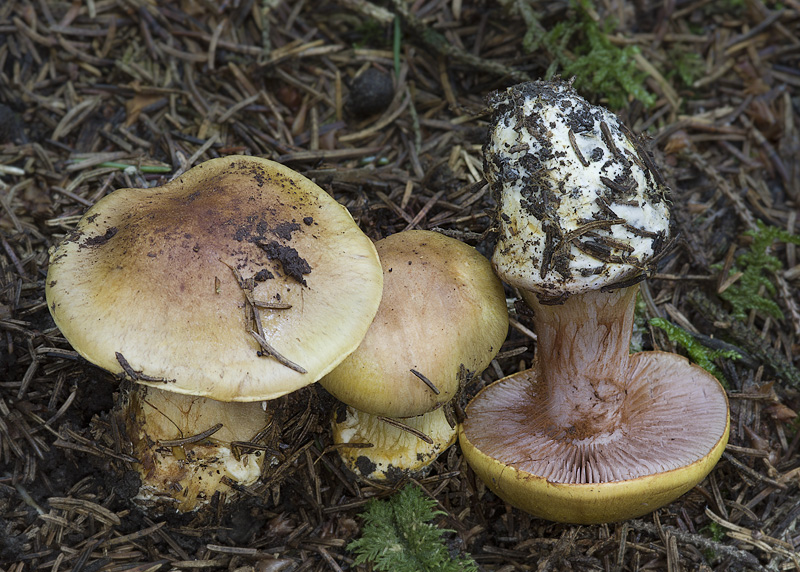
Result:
[
  {"x": 433, "y": 39},
  {"x": 404, "y": 427},
  {"x": 748, "y": 338},
  {"x": 192, "y": 439},
  {"x": 740, "y": 556},
  {"x": 426, "y": 381},
  {"x": 268, "y": 349},
  {"x": 751, "y": 473},
  {"x": 137, "y": 375},
  {"x": 246, "y": 285},
  {"x": 788, "y": 299},
  {"x": 719, "y": 182}
]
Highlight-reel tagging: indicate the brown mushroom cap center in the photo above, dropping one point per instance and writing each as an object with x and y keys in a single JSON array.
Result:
[{"x": 201, "y": 227}]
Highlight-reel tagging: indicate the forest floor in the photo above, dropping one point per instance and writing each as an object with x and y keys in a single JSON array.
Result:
[{"x": 98, "y": 95}]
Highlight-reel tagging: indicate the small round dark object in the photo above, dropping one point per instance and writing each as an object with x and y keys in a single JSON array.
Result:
[
  {"x": 127, "y": 486},
  {"x": 365, "y": 465},
  {"x": 371, "y": 92}
]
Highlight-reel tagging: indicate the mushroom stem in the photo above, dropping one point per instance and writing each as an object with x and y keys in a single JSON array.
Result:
[
  {"x": 184, "y": 444},
  {"x": 398, "y": 448},
  {"x": 582, "y": 346}
]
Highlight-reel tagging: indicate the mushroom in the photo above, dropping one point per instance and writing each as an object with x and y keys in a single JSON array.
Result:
[
  {"x": 590, "y": 433},
  {"x": 441, "y": 320},
  {"x": 238, "y": 281}
]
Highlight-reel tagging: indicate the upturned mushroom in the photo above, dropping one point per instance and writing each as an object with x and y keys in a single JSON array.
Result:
[
  {"x": 441, "y": 320},
  {"x": 239, "y": 281},
  {"x": 590, "y": 433}
]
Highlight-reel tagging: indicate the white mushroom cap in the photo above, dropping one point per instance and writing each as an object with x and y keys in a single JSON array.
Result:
[{"x": 581, "y": 205}]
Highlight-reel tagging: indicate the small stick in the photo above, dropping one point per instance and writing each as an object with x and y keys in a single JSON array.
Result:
[
  {"x": 599, "y": 250},
  {"x": 348, "y": 446},
  {"x": 568, "y": 237},
  {"x": 239, "y": 446},
  {"x": 614, "y": 186},
  {"x": 13, "y": 256},
  {"x": 742, "y": 557},
  {"x": 640, "y": 231},
  {"x": 609, "y": 140},
  {"x": 258, "y": 334},
  {"x": 612, "y": 242},
  {"x": 268, "y": 349},
  {"x": 271, "y": 305},
  {"x": 193, "y": 439},
  {"x": 644, "y": 156},
  {"x": 135, "y": 375},
  {"x": 574, "y": 143},
  {"x": 751, "y": 473},
  {"x": 418, "y": 434},
  {"x": 427, "y": 381}
]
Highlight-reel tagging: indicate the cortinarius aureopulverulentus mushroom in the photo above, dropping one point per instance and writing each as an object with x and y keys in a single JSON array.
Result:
[
  {"x": 590, "y": 433},
  {"x": 441, "y": 320},
  {"x": 240, "y": 280}
]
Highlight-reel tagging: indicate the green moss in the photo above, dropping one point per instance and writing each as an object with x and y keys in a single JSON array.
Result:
[
  {"x": 716, "y": 532},
  {"x": 756, "y": 265},
  {"x": 686, "y": 66},
  {"x": 370, "y": 33},
  {"x": 698, "y": 353},
  {"x": 398, "y": 536},
  {"x": 580, "y": 48},
  {"x": 639, "y": 325}
]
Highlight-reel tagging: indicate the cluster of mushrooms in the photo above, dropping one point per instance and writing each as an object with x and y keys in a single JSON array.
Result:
[{"x": 241, "y": 281}]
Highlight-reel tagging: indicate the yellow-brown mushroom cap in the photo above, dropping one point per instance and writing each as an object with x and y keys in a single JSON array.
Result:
[
  {"x": 153, "y": 281},
  {"x": 443, "y": 312}
]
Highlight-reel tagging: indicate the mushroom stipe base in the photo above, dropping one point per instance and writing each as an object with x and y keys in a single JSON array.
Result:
[
  {"x": 395, "y": 453},
  {"x": 585, "y": 502},
  {"x": 185, "y": 477}
]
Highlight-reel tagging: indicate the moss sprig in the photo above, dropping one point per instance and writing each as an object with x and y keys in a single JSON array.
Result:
[
  {"x": 698, "y": 353},
  {"x": 399, "y": 537},
  {"x": 746, "y": 336},
  {"x": 580, "y": 47},
  {"x": 756, "y": 264}
]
